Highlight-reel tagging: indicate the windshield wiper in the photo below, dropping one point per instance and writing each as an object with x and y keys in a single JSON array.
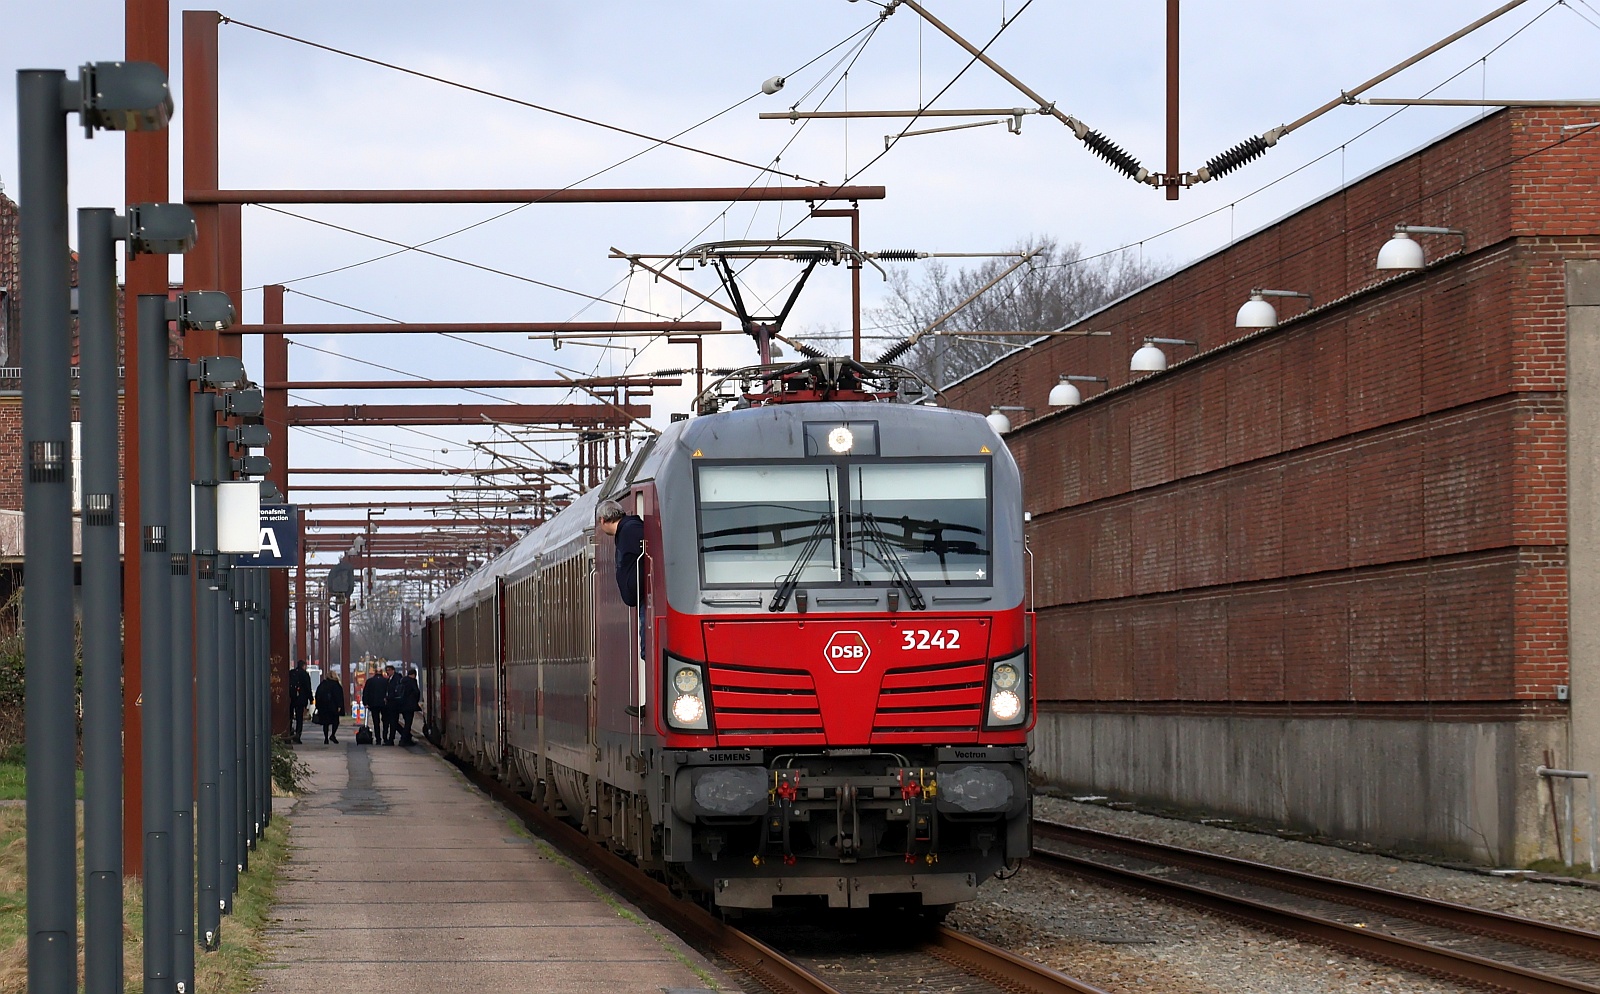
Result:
[
  {"x": 902, "y": 578},
  {"x": 786, "y": 587}
]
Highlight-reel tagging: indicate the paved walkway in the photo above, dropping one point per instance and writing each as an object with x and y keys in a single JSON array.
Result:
[{"x": 403, "y": 877}]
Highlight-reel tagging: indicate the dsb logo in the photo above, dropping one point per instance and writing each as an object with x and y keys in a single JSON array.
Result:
[{"x": 847, "y": 652}]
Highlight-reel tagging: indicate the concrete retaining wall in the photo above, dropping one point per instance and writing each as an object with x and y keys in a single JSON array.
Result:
[{"x": 1462, "y": 789}]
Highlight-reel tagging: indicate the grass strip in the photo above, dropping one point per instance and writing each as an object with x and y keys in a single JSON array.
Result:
[{"x": 229, "y": 970}]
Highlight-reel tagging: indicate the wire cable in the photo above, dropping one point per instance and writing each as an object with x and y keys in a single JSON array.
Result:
[
  {"x": 450, "y": 258},
  {"x": 501, "y": 96}
]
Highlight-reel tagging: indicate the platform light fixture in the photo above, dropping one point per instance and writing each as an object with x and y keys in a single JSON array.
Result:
[
  {"x": 999, "y": 421},
  {"x": 1402, "y": 251},
  {"x": 124, "y": 96},
  {"x": 160, "y": 229},
  {"x": 1257, "y": 312},
  {"x": 1064, "y": 394},
  {"x": 1150, "y": 359}
]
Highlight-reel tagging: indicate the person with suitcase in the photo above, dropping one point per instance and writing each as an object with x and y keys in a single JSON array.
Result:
[
  {"x": 373, "y": 694},
  {"x": 407, "y": 700}
]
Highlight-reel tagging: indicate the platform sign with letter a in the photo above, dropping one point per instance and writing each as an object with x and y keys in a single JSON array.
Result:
[{"x": 280, "y": 538}]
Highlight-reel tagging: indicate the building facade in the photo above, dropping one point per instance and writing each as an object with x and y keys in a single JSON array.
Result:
[{"x": 1323, "y": 575}]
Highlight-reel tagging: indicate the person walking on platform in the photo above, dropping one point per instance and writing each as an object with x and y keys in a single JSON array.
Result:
[
  {"x": 299, "y": 698},
  {"x": 391, "y": 709},
  {"x": 330, "y": 705},
  {"x": 408, "y": 701},
  {"x": 373, "y": 694}
]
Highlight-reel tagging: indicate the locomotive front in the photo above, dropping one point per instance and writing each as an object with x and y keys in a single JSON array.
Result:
[{"x": 844, "y": 666}]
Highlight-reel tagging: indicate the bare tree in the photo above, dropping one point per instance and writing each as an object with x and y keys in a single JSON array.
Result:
[
  {"x": 1052, "y": 290},
  {"x": 375, "y": 623}
]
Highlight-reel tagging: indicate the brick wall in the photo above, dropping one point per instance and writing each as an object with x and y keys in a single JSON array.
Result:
[
  {"x": 11, "y": 442},
  {"x": 10, "y": 281},
  {"x": 1365, "y": 504}
]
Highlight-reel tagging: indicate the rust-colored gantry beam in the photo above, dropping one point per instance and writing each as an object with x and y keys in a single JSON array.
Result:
[
  {"x": 358, "y": 487},
  {"x": 427, "y": 471},
  {"x": 476, "y": 328},
  {"x": 592, "y": 381},
  {"x": 409, "y": 540},
  {"x": 406, "y": 562},
  {"x": 593, "y": 415},
  {"x": 437, "y": 523},
  {"x": 465, "y": 505},
  {"x": 576, "y": 195}
]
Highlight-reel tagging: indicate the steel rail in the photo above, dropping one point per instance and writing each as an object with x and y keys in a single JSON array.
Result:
[
  {"x": 1001, "y": 967},
  {"x": 1365, "y": 942},
  {"x": 1544, "y": 935},
  {"x": 755, "y": 958}
]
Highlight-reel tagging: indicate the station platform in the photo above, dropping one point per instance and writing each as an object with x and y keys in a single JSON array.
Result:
[{"x": 402, "y": 876}]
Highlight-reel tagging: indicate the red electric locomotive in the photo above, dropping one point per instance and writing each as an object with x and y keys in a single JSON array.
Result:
[{"x": 835, "y": 688}]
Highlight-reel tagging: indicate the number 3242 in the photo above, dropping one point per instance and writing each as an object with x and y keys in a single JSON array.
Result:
[{"x": 937, "y": 638}]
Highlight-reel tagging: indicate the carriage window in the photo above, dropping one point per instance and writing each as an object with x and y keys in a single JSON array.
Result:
[
  {"x": 932, "y": 517},
  {"x": 757, "y": 522}
]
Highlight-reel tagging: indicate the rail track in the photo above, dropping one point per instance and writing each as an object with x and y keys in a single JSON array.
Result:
[
  {"x": 941, "y": 957},
  {"x": 1470, "y": 945}
]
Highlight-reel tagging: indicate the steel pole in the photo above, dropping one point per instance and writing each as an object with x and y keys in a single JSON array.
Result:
[
  {"x": 102, "y": 603},
  {"x": 155, "y": 604},
  {"x": 302, "y": 645},
  {"x": 207, "y": 600},
  {"x": 1172, "y": 180},
  {"x": 252, "y": 673},
  {"x": 181, "y": 586},
  {"x": 346, "y": 675},
  {"x": 49, "y": 706},
  {"x": 271, "y": 671},
  {"x": 241, "y": 719},
  {"x": 227, "y": 726},
  {"x": 145, "y": 175}
]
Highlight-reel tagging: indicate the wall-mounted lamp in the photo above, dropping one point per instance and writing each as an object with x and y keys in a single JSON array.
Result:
[
  {"x": 1401, "y": 251},
  {"x": 997, "y": 419},
  {"x": 1064, "y": 394},
  {"x": 1258, "y": 313},
  {"x": 1150, "y": 359}
]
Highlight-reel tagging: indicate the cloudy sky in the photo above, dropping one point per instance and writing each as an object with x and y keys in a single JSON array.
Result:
[{"x": 298, "y": 116}]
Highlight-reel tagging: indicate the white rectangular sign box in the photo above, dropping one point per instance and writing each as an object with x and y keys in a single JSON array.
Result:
[{"x": 239, "y": 517}]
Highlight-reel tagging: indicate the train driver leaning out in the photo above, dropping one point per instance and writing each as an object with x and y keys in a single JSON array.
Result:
[{"x": 628, "y": 531}]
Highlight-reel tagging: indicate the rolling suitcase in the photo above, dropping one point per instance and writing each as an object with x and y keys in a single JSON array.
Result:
[{"x": 363, "y": 736}]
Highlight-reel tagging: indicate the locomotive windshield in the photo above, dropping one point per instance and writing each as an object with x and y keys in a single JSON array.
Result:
[
  {"x": 845, "y": 522},
  {"x": 756, "y": 520},
  {"x": 933, "y": 518}
]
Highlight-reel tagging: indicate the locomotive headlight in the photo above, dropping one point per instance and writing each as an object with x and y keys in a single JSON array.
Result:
[
  {"x": 841, "y": 440},
  {"x": 1005, "y": 706},
  {"x": 687, "y": 710},
  {"x": 1008, "y": 692}
]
